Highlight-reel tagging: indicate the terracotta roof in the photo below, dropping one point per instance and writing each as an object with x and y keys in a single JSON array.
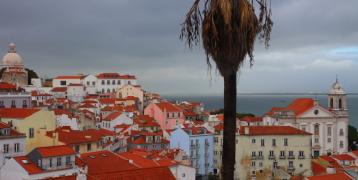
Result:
[
  {"x": 338, "y": 176},
  {"x": 343, "y": 157},
  {"x": 52, "y": 151},
  {"x": 219, "y": 127},
  {"x": 29, "y": 166},
  {"x": 112, "y": 116},
  {"x": 68, "y": 136},
  {"x": 70, "y": 177},
  {"x": 272, "y": 130},
  {"x": 17, "y": 113},
  {"x": 13, "y": 133},
  {"x": 355, "y": 152},
  {"x": 7, "y": 86},
  {"x": 251, "y": 119},
  {"x": 59, "y": 112},
  {"x": 69, "y": 77},
  {"x": 317, "y": 168},
  {"x": 298, "y": 106},
  {"x": 169, "y": 107},
  {"x": 108, "y": 76},
  {"x": 87, "y": 106},
  {"x": 4, "y": 125},
  {"x": 196, "y": 130},
  {"x": 59, "y": 89},
  {"x": 107, "y": 100},
  {"x": 145, "y": 121},
  {"x": 75, "y": 84}
]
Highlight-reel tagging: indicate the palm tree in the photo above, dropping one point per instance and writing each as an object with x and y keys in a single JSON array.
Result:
[{"x": 228, "y": 30}]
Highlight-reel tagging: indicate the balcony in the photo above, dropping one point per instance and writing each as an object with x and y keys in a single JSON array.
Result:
[
  {"x": 253, "y": 157},
  {"x": 290, "y": 168},
  {"x": 301, "y": 157},
  {"x": 282, "y": 157},
  {"x": 260, "y": 157},
  {"x": 271, "y": 157},
  {"x": 291, "y": 157}
]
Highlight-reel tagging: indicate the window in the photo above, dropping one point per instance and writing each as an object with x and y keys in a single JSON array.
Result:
[
  {"x": 290, "y": 163},
  {"x": 253, "y": 141},
  {"x": 303, "y": 128},
  {"x": 253, "y": 163},
  {"x": 119, "y": 82},
  {"x": 316, "y": 140},
  {"x": 50, "y": 164},
  {"x": 13, "y": 104},
  {"x": 108, "y": 90},
  {"x": 216, "y": 139},
  {"x": 271, "y": 153},
  {"x": 102, "y": 90},
  {"x": 6, "y": 148},
  {"x": 260, "y": 153},
  {"x": 17, "y": 147},
  {"x": 68, "y": 160},
  {"x": 316, "y": 129},
  {"x": 290, "y": 153},
  {"x": 88, "y": 83},
  {"x": 331, "y": 103},
  {"x": 59, "y": 163},
  {"x": 282, "y": 153},
  {"x": 63, "y": 83},
  {"x": 113, "y": 82},
  {"x": 262, "y": 142},
  {"x": 89, "y": 147},
  {"x": 285, "y": 142},
  {"x": 24, "y": 104},
  {"x": 31, "y": 133},
  {"x": 253, "y": 154},
  {"x": 93, "y": 83},
  {"x": 329, "y": 140},
  {"x": 102, "y": 82},
  {"x": 340, "y": 144},
  {"x": 341, "y": 132},
  {"x": 301, "y": 153},
  {"x": 129, "y": 82},
  {"x": 273, "y": 142},
  {"x": 260, "y": 164},
  {"x": 340, "y": 104},
  {"x": 329, "y": 130}
]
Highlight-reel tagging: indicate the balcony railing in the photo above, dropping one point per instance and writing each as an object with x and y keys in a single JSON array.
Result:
[
  {"x": 301, "y": 157},
  {"x": 260, "y": 157},
  {"x": 290, "y": 168},
  {"x": 272, "y": 157},
  {"x": 282, "y": 157},
  {"x": 291, "y": 157},
  {"x": 253, "y": 157}
]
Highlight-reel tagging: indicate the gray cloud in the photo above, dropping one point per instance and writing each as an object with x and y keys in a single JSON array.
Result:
[{"x": 312, "y": 41}]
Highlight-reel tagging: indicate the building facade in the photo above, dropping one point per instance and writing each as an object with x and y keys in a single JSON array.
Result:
[{"x": 329, "y": 126}]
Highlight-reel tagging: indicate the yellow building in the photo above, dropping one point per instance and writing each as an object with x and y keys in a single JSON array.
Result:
[
  {"x": 90, "y": 140},
  {"x": 281, "y": 151},
  {"x": 132, "y": 90},
  {"x": 31, "y": 122}
]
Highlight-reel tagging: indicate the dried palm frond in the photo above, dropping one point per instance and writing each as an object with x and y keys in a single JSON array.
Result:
[{"x": 228, "y": 29}]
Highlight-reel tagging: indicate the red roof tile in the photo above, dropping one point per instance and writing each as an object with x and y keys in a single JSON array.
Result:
[
  {"x": 29, "y": 166},
  {"x": 169, "y": 107},
  {"x": 343, "y": 157},
  {"x": 17, "y": 113},
  {"x": 59, "y": 89},
  {"x": 69, "y": 77},
  {"x": 7, "y": 86},
  {"x": 68, "y": 136},
  {"x": 318, "y": 169},
  {"x": 272, "y": 130},
  {"x": 251, "y": 119},
  {"x": 112, "y": 116},
  {"x": 298, "y": 106},
  {"x": 338, "y": 176},
  {"x": 52, "y": 151}
]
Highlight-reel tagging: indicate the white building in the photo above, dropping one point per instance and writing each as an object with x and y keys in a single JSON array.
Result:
[
  {"x": 110, "y": 82},
  {"x": 76, "y": 92},
  {"x": 65, "y": 118},
  {"x": 64, "y": 81},
  {"x": 329, "y": 126},
  {"x": 114, "y": 119},
  {"x": 12, "y": 143},
  {"x": 266, "y": 151},
  {"x": 43, "y": 163}
]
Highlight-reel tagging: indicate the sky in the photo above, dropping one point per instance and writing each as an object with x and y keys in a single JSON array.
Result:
[{"x": 311, "y": 43}]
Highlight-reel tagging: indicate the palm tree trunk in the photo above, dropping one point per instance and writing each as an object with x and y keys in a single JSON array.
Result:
[{"x": 228, "y": 158}]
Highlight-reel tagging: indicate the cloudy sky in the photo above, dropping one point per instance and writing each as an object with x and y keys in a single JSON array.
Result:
[{"x": 312, "y": 41}]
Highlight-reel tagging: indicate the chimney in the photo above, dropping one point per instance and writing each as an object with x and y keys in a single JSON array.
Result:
[
  {"x": 130, "y": 161},
  {"x": 246, "y": 130}
]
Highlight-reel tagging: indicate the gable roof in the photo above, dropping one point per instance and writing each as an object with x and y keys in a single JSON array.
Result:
[
  {"x": 271, "y": 130},
  {"x": 52, "y": 151},
  {"x": 29, "y": 166},
  {"x": 298, "y": 106},
  {"x": 17, "y": 113},
  {"x": 69, "y": 77},
  {"x": 169, "y": 107},
  {"x": 340, "y": 176},
  {"x": 112, "y": 116}
]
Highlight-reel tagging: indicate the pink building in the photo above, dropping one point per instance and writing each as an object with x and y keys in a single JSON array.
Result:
[{"x": 166, "y": 114}]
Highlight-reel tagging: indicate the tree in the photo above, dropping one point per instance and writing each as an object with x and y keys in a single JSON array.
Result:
[{"x": 227, "y": 30}]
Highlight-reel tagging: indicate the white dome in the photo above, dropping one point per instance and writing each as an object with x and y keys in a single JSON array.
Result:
[
  {"x": 337, "y": 88},
  {"x": 12, "y": 58}
]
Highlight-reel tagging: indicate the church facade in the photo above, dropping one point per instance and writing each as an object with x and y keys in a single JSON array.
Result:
[
  {"x": 14, "y": 70},
  {"x": 328, "y": 125}
]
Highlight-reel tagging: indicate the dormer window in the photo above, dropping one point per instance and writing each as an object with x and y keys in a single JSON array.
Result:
[{"x": 59, "y": 161}]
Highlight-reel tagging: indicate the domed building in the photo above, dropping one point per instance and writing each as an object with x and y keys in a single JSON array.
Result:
[{"x": 14, "y": 72}]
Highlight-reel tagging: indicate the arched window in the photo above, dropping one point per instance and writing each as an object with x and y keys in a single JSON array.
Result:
[
  {"x": 340, "y": 104},
  {"x": 331, "y": 103}
]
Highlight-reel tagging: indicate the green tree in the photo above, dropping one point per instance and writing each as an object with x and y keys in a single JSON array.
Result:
[
  {"x": 352, "y": 137},
  {"x": 227, "y": 30}
]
